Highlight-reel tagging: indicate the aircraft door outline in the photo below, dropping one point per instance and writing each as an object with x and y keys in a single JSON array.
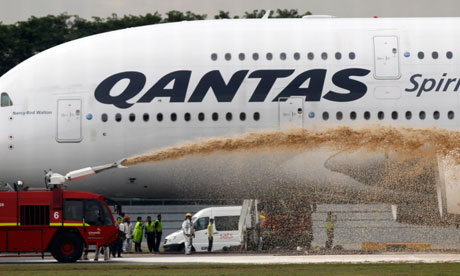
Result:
[
  {"x": 69, "y": 121},
  {"x": 290, "y": 111},
  {"x": 386, "y": 58}
]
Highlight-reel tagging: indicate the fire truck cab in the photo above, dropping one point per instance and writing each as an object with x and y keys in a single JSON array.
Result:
[{"x": 62, "y": 222}]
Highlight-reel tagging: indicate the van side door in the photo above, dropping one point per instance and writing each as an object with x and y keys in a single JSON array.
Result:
[{"x": 200, "y": 242}]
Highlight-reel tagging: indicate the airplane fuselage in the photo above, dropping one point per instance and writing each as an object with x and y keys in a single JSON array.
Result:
[{"x": 105, "y": 97}]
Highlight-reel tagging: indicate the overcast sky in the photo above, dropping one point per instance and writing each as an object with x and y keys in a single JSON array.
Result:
[{"x": 16, "y": 10}]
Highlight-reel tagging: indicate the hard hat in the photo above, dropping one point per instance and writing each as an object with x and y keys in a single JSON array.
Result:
[
  {"x": 127, "y": 217},
  {"x": 188, "y": 215}
]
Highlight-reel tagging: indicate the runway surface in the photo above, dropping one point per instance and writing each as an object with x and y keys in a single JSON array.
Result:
[{"x": 257, "y": 259}]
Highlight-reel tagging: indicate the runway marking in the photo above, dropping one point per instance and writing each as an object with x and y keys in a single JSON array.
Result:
[{"x": 304, "y": 259}]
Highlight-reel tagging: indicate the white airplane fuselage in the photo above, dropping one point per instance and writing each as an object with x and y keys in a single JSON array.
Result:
[{"x": 277, "y": 72}]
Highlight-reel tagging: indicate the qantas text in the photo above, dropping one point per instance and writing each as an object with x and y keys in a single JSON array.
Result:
[{"x": 226, "y": 91}]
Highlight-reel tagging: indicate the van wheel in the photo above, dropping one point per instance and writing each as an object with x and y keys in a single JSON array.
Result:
[
  {"x": 181, "y": 248},
  {"x": 67, "y": 247}
]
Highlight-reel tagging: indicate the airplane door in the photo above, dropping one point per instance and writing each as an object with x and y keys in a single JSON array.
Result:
[
  {"x": 386, "y": 58},
  {"x": 291, "y": 111},
  {"x": 69, "y": 121}
]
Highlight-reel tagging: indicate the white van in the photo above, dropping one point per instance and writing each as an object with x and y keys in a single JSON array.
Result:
[{"x": 225, "y": 230}]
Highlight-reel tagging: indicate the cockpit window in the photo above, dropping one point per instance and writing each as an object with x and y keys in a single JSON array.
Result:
[{"x": 5, "y": 100}]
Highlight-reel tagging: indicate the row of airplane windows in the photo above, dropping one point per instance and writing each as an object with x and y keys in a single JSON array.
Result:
[
  {"x": 187, "y": 117},
  {"x": 435, "y": 55},
  {"x": 324, "y": 56},
  {"x": 381, "y": 115},
  {"x": 283, "y": 56}
]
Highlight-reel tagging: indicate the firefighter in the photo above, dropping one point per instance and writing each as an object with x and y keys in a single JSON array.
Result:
[
  {"x": 158, "y": 233},
  {"x": 129, "y": 228},
  {"x": 137, "y": 235},
  {"x": 210, "y": 233},
  {"x": 330, "y": 221},
  {"x": 150, "y": 233},
  {"x": 187, "y": 229}
]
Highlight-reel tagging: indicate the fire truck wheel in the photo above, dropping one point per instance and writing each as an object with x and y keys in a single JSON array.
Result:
[{"x": 67, "y": 247}]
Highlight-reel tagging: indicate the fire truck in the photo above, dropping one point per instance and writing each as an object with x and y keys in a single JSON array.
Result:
[{"x": 55, "y": 220}]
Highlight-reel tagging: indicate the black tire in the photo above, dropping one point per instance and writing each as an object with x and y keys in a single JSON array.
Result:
[
  {"x": 67, "y": 247},
  {"x": 181, "y": 248}
]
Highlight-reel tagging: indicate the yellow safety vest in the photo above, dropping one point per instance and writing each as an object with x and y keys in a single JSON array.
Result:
[
  {"x": 329, "y": 225},
  {"x": 159, "y": 225},
  {"x": 210, "y": 230},
  {"x": 149, "y": 227}
]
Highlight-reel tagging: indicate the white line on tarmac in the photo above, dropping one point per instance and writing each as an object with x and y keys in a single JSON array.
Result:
[{"x": 304, "y": 259}]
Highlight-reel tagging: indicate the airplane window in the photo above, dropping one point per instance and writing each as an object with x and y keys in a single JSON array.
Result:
[
  {"x": 339, "y": 115},
  {"x": 215, "y": 116},
  {"x": 187, "y": 117},
  {"x": 324, "y": 56},
  {"x": 173, "y": 117},
  {"x": 214, "y": 56},
  {"x": 242, "y": 116},
  {"x": 5, "y": 100},
  {"x": 367, "y": 115},
  {"x": 408, "y": 115},
  {"x": 449, "y": 55},
  {"x": 311, "y": 56},
  {"x": 296, "y": 56},
  {"x": 422, "y": 115},
  {"x": 159, "y": 117},
  {"x": 351, "y": 55},
  {"x": 255, "y": 56},
  {"x": 146, "y": 117},
  {"x": 132, "y": 117},
  {"x": 118, "y": 117},
  {"x": 269, "y": 56},
  {"x": 436, "y": 115},
  {"x": 256, "y": 116},
  {"x": 228, "y": 56},
  {"x": 283, "y": 56},
  {"x": 353, "y": 115},
  {"x": 228, "y": 116},
  {"x": 325, "y": 116},
  {"x": 381, "y": 115},
  {"x": 394, "y": 115},
  {"x": 201, "y": 116},
  {"x": 241, "y": 56},
  {"x": 450, "y": 115},
  {"x": 104, "y": 117},
  {"x": 338, "y": 56},
  {"x": 421, "y": 55},
  {"x": 435, "y": 55}
]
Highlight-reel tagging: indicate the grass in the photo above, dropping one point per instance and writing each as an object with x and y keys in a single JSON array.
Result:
[{"x": 205, "y": 270}]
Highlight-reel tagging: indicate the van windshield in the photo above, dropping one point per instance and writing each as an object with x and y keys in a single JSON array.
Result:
[{"x": 5, "y": 100}]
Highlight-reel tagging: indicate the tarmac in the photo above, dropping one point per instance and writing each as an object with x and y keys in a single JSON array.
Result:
[{"x": 256, "y": 259}]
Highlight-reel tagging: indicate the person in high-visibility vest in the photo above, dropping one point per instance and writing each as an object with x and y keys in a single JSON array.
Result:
[
  {"x": 187, "y": 229},
  {"x": 150, "y": 233},
  {"x": 137, "y": 235},
  {"x": 158, "y": 233},
  {"x": 210, "y": 233},
  {"x": 330, "y": 221}
]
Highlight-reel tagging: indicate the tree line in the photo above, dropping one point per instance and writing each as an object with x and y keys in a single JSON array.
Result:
[{"x": 24, "y": 39}]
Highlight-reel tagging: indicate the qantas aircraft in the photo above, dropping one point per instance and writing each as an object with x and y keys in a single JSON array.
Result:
[{"x": 99, "y": 99}]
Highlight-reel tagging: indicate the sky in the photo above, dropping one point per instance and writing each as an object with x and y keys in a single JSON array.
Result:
[{"x": 12, "y": 11}]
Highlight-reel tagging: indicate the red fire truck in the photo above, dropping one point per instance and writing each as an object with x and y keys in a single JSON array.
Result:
[{"x": 54, "y": 220}]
